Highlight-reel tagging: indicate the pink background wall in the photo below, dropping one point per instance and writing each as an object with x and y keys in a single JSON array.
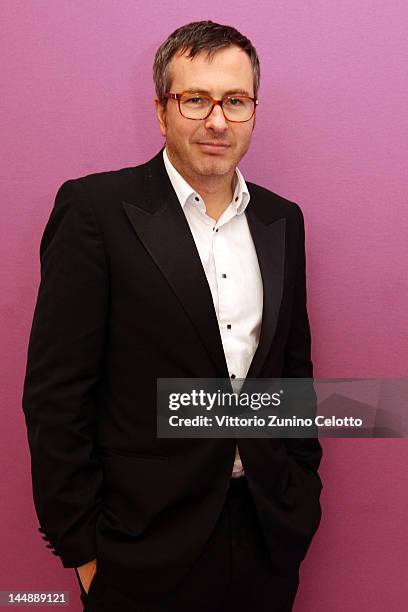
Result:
[{"x": 331, "y": 134}]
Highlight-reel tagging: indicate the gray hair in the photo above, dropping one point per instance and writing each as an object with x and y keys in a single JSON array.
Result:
[{"x": 196, "y": 37}]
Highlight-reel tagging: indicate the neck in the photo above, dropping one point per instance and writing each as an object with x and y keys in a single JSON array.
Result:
[{"x": 216, "y": 191}]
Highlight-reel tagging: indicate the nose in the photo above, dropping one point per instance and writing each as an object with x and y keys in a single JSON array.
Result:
[{"x": 216, "y": 121}]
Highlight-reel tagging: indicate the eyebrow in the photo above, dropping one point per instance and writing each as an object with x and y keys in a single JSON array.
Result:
[{"x": 242, "y": 92}]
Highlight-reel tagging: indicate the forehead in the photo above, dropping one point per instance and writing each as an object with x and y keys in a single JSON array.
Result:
[{"x": 229, "y": 69}]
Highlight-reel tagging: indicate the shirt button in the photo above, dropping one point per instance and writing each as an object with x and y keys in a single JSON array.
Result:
[
  {"x": 228, "y": 326},
  {"x": 224, "y": 276},
  {"x": 233, "y": 376},
  {"x": 197, "y": 199},
  {"x": 236, "y": 199}
]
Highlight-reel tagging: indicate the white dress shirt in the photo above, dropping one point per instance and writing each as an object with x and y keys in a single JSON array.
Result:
[{"x": 229, "y": 259}]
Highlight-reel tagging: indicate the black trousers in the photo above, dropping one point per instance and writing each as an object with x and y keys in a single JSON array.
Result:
[{"x": 233, "y": 573}]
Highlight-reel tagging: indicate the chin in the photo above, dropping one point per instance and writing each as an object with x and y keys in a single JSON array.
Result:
[{"x": 214, "y": 168}]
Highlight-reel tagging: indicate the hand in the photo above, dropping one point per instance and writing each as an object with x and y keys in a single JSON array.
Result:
[{"x": 86, "y": 573}]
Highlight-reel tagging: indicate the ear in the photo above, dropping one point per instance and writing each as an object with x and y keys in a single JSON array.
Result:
[{"x": 161, "y": 116}]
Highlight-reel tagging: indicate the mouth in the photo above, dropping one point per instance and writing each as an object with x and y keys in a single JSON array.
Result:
[{"x": 214, "y": 147}]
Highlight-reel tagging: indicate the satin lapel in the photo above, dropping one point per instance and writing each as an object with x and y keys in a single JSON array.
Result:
[
  {"x": 160, "y": 224},
  {"x": 269, "y": 240}
]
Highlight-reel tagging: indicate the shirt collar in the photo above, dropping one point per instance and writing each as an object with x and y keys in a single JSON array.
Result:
[{"x": 186, "y": 193}]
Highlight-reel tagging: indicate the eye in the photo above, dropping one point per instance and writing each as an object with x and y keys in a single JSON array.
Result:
[
  {"x": 235, "y": 101},
  {"x": 194, "y": 100}
]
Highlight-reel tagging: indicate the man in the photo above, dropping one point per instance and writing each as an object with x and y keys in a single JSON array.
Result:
[{"x": 175, "y": 268}]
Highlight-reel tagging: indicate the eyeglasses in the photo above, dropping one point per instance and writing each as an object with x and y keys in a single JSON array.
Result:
[{"x": 199, "y": 106}]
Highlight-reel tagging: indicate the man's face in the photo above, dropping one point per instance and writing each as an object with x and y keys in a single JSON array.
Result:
[{"x": 213, "y": 146}]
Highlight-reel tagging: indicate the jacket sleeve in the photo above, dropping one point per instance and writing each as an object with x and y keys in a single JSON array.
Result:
[
  {"x": 305, "y": 451},
  {"x": 63, "y": 364}
]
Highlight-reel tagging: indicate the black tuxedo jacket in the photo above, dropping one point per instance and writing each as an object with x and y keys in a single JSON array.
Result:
[{"x": 124, "y": 300}]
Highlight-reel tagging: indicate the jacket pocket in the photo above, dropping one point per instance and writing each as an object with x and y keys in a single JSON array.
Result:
[{"x": 135, "y": 454}]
